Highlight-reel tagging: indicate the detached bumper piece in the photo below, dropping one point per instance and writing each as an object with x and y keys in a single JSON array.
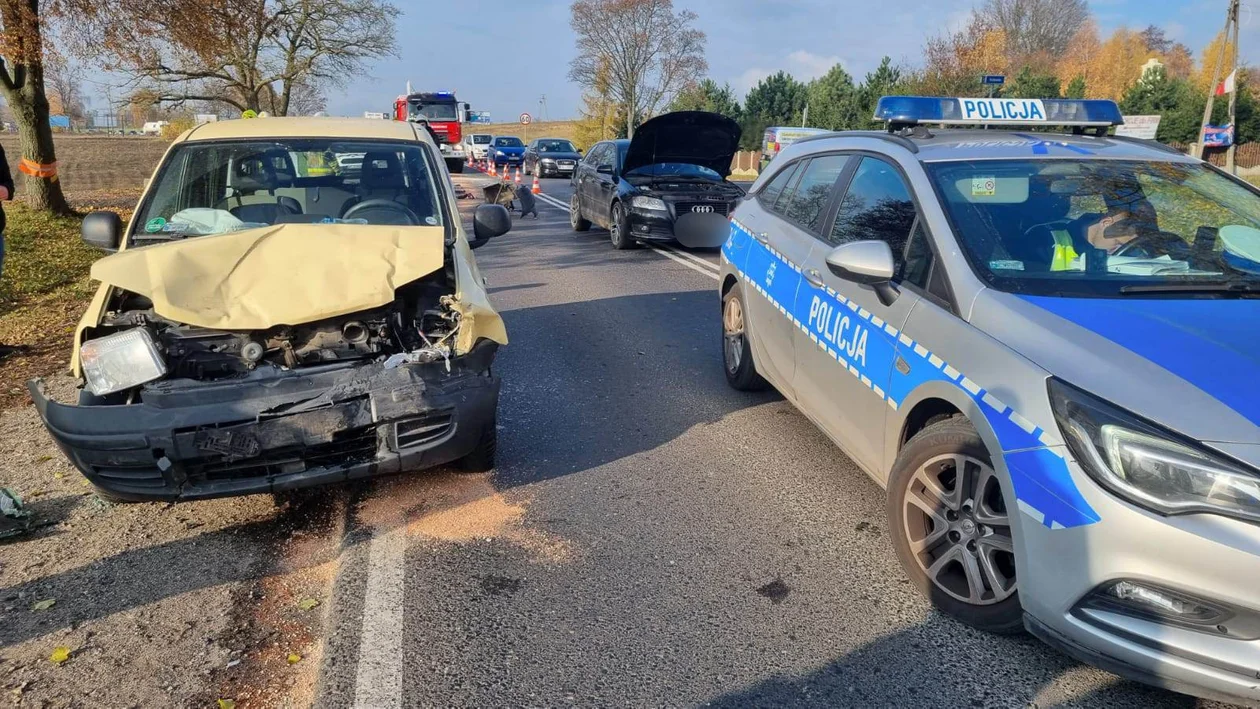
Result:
[{"x": 278, "y": 431}]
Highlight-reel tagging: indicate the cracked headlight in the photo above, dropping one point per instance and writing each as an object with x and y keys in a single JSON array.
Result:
[
  {"x": 120, "y": 362},
  {"x": 1150, "y": 467},
  {"x": 648, "y": 203}
]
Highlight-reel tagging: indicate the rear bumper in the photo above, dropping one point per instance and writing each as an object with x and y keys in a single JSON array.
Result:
[{"x": 270, "y": 432}]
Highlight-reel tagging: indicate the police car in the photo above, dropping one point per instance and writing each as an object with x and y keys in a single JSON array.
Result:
[{"x": 1045, "y": 346}]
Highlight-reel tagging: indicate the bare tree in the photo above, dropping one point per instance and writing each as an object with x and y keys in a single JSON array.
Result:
[
  {"x": 644, "y": 51},
  {"x": 64, "y": 81},
  {"x": 1035, "y": 27},
  {"x": 247, "y": 54},
  {"x": 22, "y": 85}
]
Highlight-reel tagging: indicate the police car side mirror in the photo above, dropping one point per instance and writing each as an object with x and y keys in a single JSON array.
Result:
[{"x": 869, "y": 263}]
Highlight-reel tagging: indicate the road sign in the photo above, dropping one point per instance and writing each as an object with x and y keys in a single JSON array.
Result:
[
  {"x": 994, "y": 79},
  {"x": 526, "y": 119},
  {"x": 478, "y": 116},
  {"x": 1144, "y": 127}
]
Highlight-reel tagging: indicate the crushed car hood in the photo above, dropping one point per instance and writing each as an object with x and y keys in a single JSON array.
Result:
[
  {"x": 691, "y": 137},
  {"x": 281, "y": 275}
]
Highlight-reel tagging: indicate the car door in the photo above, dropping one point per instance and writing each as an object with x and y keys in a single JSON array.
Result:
[
  {"x": 846, "y": 347},
  {"x": 604, "y": 184},
  {"x": 783, "y": 234},
  {"x": 588, "y": 178}
]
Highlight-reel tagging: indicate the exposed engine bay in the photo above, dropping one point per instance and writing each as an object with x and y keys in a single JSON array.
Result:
[{"x": 419, "y": 326}]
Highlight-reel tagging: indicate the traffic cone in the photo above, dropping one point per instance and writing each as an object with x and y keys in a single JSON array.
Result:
[
  {"x": 517, "y": 180},
  {"x": 492, "y": 172},
  {"x": 536, "y": 188}
]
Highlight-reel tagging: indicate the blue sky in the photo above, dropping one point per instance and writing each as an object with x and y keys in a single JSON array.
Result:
[{"x": 503, "y": 55}]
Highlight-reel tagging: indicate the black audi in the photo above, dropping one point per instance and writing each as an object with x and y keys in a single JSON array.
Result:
[
  {"x": 551, "y": 157},
  {"x": 667, "y": 184}
]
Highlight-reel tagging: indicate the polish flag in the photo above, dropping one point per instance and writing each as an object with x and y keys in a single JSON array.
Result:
[{"x": 1227, "y": 86}]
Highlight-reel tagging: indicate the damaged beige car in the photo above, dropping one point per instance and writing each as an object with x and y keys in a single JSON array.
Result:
[{"x": 294, "y": 303}]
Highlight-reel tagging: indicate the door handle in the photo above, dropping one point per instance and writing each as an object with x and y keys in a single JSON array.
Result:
[
  {"x": 814, "y": 278},
  {"x": 762, "y": 237}
]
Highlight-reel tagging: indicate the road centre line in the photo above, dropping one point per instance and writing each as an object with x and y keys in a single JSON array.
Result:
[{"x": 689, "y": 261}]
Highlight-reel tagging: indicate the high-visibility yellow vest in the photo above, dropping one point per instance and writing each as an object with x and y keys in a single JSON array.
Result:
[{"x": 1064, "y": 251}]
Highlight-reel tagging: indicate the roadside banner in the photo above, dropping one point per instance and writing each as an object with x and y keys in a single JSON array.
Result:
[
  {"x": 1144, "y": 127},
  {"x": 1218, "y": 136}
]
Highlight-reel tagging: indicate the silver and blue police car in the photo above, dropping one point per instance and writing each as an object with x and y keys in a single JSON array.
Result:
[{"x": 1046, "y": 346}]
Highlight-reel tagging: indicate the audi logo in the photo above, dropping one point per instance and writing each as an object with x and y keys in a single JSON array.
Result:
[{"x": 702, "y": 209}]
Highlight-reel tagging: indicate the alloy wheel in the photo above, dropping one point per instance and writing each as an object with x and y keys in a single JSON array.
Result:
[
  {"x": 959, "y": 531},
  {"x": 575, "y": 214}
]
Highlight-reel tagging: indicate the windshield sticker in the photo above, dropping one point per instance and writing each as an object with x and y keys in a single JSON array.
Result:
[
  {"x": 155, "y": 225},
  {"x": 984, "y": 186},
  {"x": 431, "y": 221},
  {"x": 174, "y": 228},
  {"x": 1006, "y": 265}
]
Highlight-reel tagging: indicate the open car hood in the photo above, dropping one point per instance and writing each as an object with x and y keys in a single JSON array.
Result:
[
  {"x": 692, "y": 137},
  {"x": 286, "y": 274}
]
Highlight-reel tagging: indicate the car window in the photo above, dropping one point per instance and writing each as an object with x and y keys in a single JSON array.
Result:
[
  {"x": 213, "y": 187},
  {"x": 917, "y": 265},
  {"x": 1102, "y": 228},
  {"x": 814, "y": 189},
  {"x": 605, "y": 158},
  {"x": 877, "y": 206},
  {"x": 555, "y": 146},
  {"x": 592, "y": 158},
  {"x": 508, "y": 143},
  {"x": 771, "y": 192}
]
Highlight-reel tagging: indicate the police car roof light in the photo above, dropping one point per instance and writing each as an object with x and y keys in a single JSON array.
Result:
[{"x": 915, "y": 110}]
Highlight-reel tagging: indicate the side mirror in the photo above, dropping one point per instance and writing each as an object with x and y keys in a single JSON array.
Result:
[
  {"x": 103, "y": 230},
  {"x": 489, "y": 221},
  {"x": 869, "y": 263},
  {"x": 604, "y": 169}
]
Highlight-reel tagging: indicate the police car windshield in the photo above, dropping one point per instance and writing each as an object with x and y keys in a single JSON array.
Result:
[{"x": 1102, "y": 228}]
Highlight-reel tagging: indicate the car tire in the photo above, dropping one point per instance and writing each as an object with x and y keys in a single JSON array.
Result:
[
  {"x": 575, "y": 215},
  {"x": 481, "y": 459},
  {"x": 619, "y": 229},
  {"x": 737, "y": 357},
  {"x": 965, "y": 541}
]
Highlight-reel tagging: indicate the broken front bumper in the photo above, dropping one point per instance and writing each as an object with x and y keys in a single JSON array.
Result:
[{"x": 271, "y": 432}]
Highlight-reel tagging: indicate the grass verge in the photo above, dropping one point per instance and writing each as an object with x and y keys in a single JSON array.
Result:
[{"x": 43, "y": 290}]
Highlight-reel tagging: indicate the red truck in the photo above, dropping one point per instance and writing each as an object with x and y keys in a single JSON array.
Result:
[{"x": 444, "y": 114}]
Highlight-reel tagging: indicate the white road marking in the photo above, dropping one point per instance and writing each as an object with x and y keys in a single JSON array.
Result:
[
  {"x": 692, "y": 262},
  {"x": 378, "y": 681},
  {"x": 688, "y": 255}
]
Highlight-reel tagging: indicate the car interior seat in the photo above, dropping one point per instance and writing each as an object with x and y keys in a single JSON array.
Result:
[
  {"x": 254, "y": 180},
  {"x": 1043, "y": 240}
]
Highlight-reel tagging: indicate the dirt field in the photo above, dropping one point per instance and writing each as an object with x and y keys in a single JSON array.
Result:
[
  {"x": 91, "y": 164},
  {"x": 550, "y": 129}
]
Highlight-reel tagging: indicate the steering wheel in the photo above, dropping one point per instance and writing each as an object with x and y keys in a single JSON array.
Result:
[
  {"x": 383, "y": 211},
  {"x": 1046, "y": 225},
  {"x": 1148, "y": 242}
]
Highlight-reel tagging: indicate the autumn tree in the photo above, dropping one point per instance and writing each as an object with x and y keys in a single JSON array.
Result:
[
  {"x": 22, "y": 27},
  {"x": 706, "y": 95},
  {"x": 1118, "y": 64},
  {"x": 1220, "y": 49},
  {"x": 1080, "y": 56},
  {"x": 1034, "y": 27},
  {"x": 247, "y": 54},
  {"x": 64, "y": 83},
  {"x": 647, "y": 51},
  {"x": 955, "y": 62}
]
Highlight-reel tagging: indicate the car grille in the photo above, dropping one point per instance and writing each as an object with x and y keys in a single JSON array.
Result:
[
  {"x": 682, "y": 208},
  {"x": 346, "y": 448},
  {"x": 144, "y": 476},
  {"x": 423, "y": 429}
]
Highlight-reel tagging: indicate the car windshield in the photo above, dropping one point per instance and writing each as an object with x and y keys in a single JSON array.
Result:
[
  {"x": 481, "y": 139},
  {"x": 556, "y": 146},
  {"x": 214, "y": 187},
  {"x": 1103, "y": 228},
  {"x": 436, "y": 111},
  {"x": 508, "y": 143},
  {"x": 675, "y": 169}
]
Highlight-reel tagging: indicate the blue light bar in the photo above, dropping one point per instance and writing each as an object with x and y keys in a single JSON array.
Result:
[{"x": 914, "y": 110}]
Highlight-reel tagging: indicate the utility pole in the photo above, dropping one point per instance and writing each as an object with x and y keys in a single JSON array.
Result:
[
  {"x": 1233, "y": 95},
  {"x": 1231, "y": 29}
]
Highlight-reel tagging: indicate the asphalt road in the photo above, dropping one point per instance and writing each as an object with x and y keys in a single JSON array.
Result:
[{"x": 650, "y": 537}]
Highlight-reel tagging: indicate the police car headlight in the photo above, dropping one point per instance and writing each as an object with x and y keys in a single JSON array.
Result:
[
  {"x": 648, "y": 203},
  {"x": 120, "y": 362},
  {"x": 1150, "y": 467}
]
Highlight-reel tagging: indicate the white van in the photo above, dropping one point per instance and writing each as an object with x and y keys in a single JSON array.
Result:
[
  {"x": 154, "y": 127},
  {"x": 478, "y": 145}
]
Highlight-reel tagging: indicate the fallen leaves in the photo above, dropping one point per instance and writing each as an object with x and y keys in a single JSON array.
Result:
[
  {"x": 227, "y": 704},
  {"x": 44, "y": 604},
  {"x": 307, "y": 604},
  {"x": 294, "y": 658},
  {"x": 59, "y": 655}
]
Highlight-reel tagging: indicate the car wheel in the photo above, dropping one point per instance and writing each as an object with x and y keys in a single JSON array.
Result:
[
  {"x": 951, "y": 529},
  {"x": 619, "y": 229},
  {"x": 737, "y": 357},
  {"x": 575, "y": 215},
  {"x": 481, "y": 459}
]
